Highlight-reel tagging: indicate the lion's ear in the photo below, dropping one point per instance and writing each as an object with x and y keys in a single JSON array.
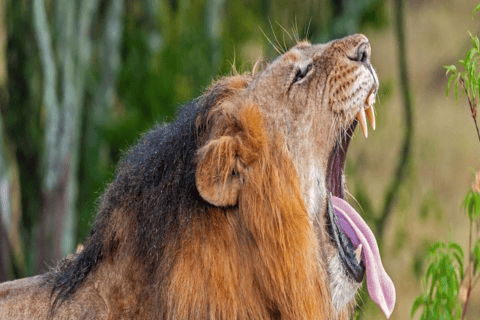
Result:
[
  {"x": 219, "y": 174},
  {"x": 222, "y": 163}
]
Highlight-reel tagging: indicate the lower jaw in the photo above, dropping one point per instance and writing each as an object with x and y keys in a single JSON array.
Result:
[
  {"x": 343, "y": 290},
  {"x": 353, "y": 268}
]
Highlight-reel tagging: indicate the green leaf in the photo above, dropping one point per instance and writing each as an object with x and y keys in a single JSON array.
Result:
[
  {"x": 459, "y": 310},
  {"x": 472, "y": 205},
  {"x": 450, "y": 69},
  {"x": 473, "y": 78},
  {"x": 436, "y": 307},
  {"x": 419, "y": 301},
  {"x": 468, "y": 198},
  {"x": 469, "y": 56},
  {"x": 468, "y": 203},
  {"x": 475, "y": 10},
  {"x": 434, "y": 282},
  {"x": 474, "y": 41},
  {"x": 474, "y": 85},
  {"x": 449, "y": 84},
  {"x": 454, "y": 246},
  {"x": 445, "y": 284},
  {"x": 459, "y": 259},
  {"x": 453, "y": 280},
  {"x": 478, "y": 83},
  {"x": 476, "y": 255},
  {"x": 446, "y": 314},
  {"x": 455, "y": 89},
  {"x": 431, "y": 271},
  {"x": 433, "y": 249},
  {"x": 476, "y": 206}
]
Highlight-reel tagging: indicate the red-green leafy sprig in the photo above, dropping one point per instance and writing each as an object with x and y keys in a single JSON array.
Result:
[{"x": 469, "y": 78}]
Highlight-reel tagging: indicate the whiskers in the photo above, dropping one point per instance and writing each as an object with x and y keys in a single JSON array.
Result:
[
  {"x": 339, "y": 129},
  {"x": 277, "y": 48},
  {"x": 354, "y": 199},
  {"x": 333, "y": 128},
  {"x": 289, "y": 39}
]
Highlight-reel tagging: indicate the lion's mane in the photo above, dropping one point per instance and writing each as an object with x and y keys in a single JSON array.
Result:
[{"x": 159, "y": 250}]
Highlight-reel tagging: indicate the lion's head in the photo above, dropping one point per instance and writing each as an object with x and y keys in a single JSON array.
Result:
[
  {"x": 307, "y": 103},
  {"x": 236, "y": 210}
]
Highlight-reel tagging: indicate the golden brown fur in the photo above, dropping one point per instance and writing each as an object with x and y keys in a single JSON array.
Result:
[{"x": 216, "y": 216}]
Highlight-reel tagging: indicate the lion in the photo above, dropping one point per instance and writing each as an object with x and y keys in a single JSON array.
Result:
[{"x": 236, "y": 210}]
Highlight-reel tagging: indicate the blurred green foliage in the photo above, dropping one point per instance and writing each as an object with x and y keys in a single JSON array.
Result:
[
  {"x": 442, "y": 282},
  {"x": 448, "y": 285}
]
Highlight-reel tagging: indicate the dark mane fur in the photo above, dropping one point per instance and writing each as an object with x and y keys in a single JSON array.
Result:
[{"x": 155, "y": 185}]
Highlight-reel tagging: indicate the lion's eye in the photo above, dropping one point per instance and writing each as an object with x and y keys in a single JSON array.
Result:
[{"x": 302, "y": 72}]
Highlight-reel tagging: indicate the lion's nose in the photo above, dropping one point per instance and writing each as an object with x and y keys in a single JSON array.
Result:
[
  {"x": 362, "y": 53},
  {"x": 356, "y": 48}
]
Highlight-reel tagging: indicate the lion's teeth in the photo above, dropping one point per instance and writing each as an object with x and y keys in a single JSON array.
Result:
[
  {"x": 358, "y": 253},
  {"x": 363, "y": 122},
  {"x": 371, "y": 116}
]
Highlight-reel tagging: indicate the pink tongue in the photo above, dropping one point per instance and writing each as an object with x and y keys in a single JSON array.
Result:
[{"x": 380, "y": 286}]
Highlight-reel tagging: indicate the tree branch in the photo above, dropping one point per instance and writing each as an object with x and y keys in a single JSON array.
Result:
[
  {"x": 473, "y": 106},
  {"x": 50, "y": 100}
]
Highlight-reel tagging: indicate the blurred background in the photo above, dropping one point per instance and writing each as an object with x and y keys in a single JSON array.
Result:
[{"x": 81, "y": 80}]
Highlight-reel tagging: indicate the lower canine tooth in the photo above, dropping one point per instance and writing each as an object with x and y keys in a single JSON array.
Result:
[
  {"x": 358, "y": 253},
  {"x": 363, "y": 121},
  {"x": 371, "y": 116}
]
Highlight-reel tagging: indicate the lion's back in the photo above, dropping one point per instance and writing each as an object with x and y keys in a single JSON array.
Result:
[
  {"x": 29, "y": 298},
  {"x": 23, "y": 299}
]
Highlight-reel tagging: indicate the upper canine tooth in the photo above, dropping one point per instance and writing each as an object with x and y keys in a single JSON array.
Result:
[
  {"x": 358, "y": 253},
  {"x": 363, "y": 121},
  {"x": 371, "y": 116}
]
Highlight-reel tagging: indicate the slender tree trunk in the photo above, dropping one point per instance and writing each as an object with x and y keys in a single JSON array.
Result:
[
  {"x": 56, "y": 236},
  {"x": 11, "y": 248},
  {"x": 104, "y": 95},
  {"x": 5, "y": 206},
  {"x": 4, "y": 183},
  {"x": 10, "y": 209},
  {"x": 214, "y": 16}
]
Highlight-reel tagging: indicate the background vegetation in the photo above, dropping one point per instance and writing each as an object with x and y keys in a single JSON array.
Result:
[{"x": 81, "y": 80}]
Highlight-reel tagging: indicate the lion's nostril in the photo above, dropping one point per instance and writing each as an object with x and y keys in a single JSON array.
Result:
[
  {"x": 363, "y": 53},
  {"x": 363, "y": 56}
]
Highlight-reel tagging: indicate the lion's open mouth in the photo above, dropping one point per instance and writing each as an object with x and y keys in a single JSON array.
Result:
[
  {"x": 355, "y": 242},
  {"x": 350, "y": 259}
]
